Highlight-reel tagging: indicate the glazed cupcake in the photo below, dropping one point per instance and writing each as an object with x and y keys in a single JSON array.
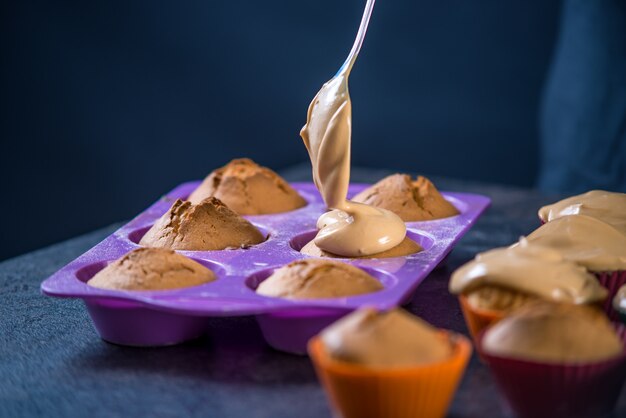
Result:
[
  {"x": 248, "y": 189},
  {"x": 316, "y": 279},
  {"x": 391, "y": 364},
  {"x": 499, "y": 281},
  {"x": 606, "y": 206},
  {"x": 205, "y": 226},
  {"x": 556, "y": 360},
  {"x": 411, "y": 200},
  {"x": 590, "y": 243},
  {"x": 151, "y": 269}
]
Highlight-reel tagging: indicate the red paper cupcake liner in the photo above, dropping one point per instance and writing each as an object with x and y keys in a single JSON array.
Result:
[
  {"x": 612, "y": 280},
  {"x": 537, "y": 390}
]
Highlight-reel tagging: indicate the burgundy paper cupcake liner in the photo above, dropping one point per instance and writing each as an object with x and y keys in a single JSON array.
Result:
[
  {"x": 534, "y": 389},
  {"x": 612, "y": 280}
]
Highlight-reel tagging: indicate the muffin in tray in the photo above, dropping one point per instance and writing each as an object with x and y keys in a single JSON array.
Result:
[
  {"x": 499, "y": 281},
  {"x": 591, "y": 243},
  {"x": 412, "y": 200},
  {"x": 207, "y": 225},
  {"x": 556, "y": 360},
  {"x": 406, "y": 247},
  {"x": 315, "y": 279},
  {"x": 151, "y": 269},
  {"x": 388, "y": 364},
  {"x": 609, "y": 207},
  {"x": 248, "y": 189}
]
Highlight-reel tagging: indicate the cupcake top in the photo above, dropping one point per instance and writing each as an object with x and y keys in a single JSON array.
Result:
[
  {"x": 531, "y": 269},
  {"x": 417, "y": 200},
  {"x": 584, "y": 240},
  {"x": 207, "y": 225},
  {"x": 554, "y": 333},
  {"x": 316, "y": 279},
  {"x": 248, "y": 189},
  {"x": 606, "y": 206},
  {"x": 406, "y": 247},
  {"x": 385, "y": 339},
  {"x": 151, "y": 269}
]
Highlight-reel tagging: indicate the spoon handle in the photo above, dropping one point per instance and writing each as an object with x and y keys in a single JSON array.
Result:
[{"x": 356, "y": 47}]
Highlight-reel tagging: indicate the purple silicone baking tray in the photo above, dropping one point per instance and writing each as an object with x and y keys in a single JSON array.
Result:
[{"x": 164, "y": 317}]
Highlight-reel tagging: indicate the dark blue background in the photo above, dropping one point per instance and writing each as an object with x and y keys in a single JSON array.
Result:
[{"x": 106, "y": 105}]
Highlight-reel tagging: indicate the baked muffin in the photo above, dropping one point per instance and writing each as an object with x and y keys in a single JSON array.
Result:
[
  {"x": 591, "y": 243},
  {"x": 207, "y": 225},
  {"x": 500, "y": 281},
  {"x": 316, "y": 278},
  {"x": 248, "y": 189},
  {"x": 385, "y": 339},
  {"x": 556, "y": 360},
  {"x": 389, "y": 364},
  {"x": 406, "y": 247},
  {"x": 606, "y": 206},
  {"x": 553, "y": 333},
  {"x": 412, "y": 200},
  {"x": 151, "y": 269}
]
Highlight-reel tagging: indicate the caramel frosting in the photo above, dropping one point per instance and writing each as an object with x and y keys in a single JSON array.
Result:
[
  {"x": 208, "y": 225},
  {"x": 606, "y": 206},
  {"x": 406, "y": 247},
  {"x": 317, "y": 279},
  {"x": 248, "y": 189},
  {"x": 530, "y": 269},
  {"x": 350, "y": 229},
  {"x": 385, "y": 339},
  {"x": 412, "y": 200},
  {"x": 584, "y": 240},
  {"x": 554, "y": 333},
  {"x": 151, "y": 269}
]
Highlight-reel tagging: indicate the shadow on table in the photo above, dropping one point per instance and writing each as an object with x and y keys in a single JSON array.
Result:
[{"x": 233, "y": 351}]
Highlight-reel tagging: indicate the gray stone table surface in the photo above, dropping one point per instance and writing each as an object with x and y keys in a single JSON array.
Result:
[{"x": 52, "y": 362}]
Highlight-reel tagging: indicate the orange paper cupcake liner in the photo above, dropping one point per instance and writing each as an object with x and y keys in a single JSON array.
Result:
[
  {"x": 478, "y": 319},
  {"x": 357, "y": 391}
]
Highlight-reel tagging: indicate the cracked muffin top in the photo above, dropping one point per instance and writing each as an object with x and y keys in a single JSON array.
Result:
[
  {"x": 316, "y": 279},
  {"x": 208, "y": 225},
  {"x": 411, "y": 200},
  {"x": 151, "y": 269},
  {"x": 248, "y": 189}
]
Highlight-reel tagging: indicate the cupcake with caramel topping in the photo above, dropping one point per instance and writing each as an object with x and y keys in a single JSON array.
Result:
[
  {"x": 411, "y": 200},
  {"x": 249, "y": 189},
  {"x": 608, "y": 207},
  {"x": 500, "y": 281},
  {"x": 391, "y": 364},
  {"x": 205, "y": 226},
  {"x": 590, "y": 243},
  {"x": 556, "y": 360}
]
